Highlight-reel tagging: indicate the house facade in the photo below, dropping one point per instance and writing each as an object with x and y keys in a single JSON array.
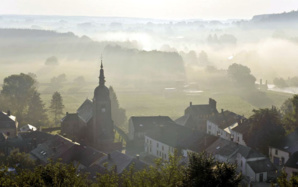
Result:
[{"x": 8, "y": 124}]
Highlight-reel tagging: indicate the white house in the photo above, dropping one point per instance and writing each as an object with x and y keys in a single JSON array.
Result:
[
  {"x": 279, "y": 154},
  {"x": 291, "y": 166},
  {"x": 27, "y": 128},
  {"x": 226, "y": 125}
]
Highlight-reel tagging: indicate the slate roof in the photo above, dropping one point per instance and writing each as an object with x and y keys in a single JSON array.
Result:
[
  {"x": 230, "y": 149},
  {"x": 243, "y": 127},
  {"x": 260, "y": 166},
  {"x": 121, "y": 161},
  {"x": 7, "y": 121},
  {"x": 87, "y": 155},
  {"x": 38, "y": 136},
  {"x": 170, "y": 134},
  {"x": 55, "y": 148},
  {"x": 70, "y": 117},
  {"x": 144, "y": 123},
  {"x": 293, "y": 161},
  {"x": 289, "y": 143},
  {"x": 184, "y": 120},
  {"x": 198, "y": 142},
  {"x": 85, "y": 111},
  {"x": 225, "y": 119}
]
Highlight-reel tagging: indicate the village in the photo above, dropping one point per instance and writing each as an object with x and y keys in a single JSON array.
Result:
[{"x": 89, "y": 139}]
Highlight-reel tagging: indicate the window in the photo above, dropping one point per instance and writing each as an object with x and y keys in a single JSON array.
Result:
[
  {"x": 162, "y": 147},
  {"x": 165, "y": 156},
  {"x": 276, "y": 152},
  {"x": 238, "y": 139},
  {"x": 150, "y": 149},
  {"x": 157, "y": 145},
  {"x": 157, "y": 152}
]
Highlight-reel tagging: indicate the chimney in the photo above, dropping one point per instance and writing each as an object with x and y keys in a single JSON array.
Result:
[
  {"x": 8, "y": 112},
  {"x": 266, "y": 83},
  {"x": 222, "y": 110},
  {"x": 212, "y": 103},
  {"x": 137, "y": 156},
  {"x": 66, "y": 113},
  {"x": 190, "y": 103},
  {"x": 109, "y": 156},
  {"x": 260, "y": 81}
]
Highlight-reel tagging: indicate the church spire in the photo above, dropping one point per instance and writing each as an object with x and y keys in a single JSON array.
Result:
[{"x": 101, "y": 75}]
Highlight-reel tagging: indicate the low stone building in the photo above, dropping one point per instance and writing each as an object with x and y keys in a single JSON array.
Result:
[{"x": 8, "y": 124}]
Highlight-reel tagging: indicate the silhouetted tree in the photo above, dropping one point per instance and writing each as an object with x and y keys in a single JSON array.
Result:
[
  {"x": 118, "y": 113},
  {"x": 17, "y": 91},
  {"x": 56, "y": 107},
  {"x": 290, "y": 113},
  {"x": 241, "y": 76},
  {"x": 36, "y": 114},
  {"x": 266, "y": 129},
  {"x": 203, "y": 170}
]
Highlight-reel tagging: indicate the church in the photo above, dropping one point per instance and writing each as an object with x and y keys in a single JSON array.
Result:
[{"x": 92, "y": 124}]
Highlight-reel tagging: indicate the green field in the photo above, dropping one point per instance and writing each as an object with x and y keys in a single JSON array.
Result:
[{"x": 141, "y": 103}]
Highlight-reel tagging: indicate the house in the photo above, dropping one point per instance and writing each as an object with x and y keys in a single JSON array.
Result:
[
  {"x": 8, "y": 124},
  {"x": 195, "y": 116},
  {"x": 139, "y": 126},
  {"x": 62, "y": 148},
  {"x": 291, "y": 166},
  {"x": 120, "y": 162},
  {"x": 280, "y": 153},
  {"x": 55, "y": 148},
  {"x": 27, "y": 128},
  {"x": 165, "y": 139},
  {"x": 252, "y": 164},
  {"x": 227, "y": 126}
]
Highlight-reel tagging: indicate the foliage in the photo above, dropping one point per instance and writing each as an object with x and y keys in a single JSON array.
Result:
[
  {"x": 266, "y": 129},
  {"x": 17, "y": 91},
  {"x": 36, "y": 114},
  {"x": 118, "y": 114},
  {"x": 280, "y": 82},
  {"x": 52, "y": 61},
  {"x": 289, "y": 110},
  {"x": 282, "y": 180},
  {"x": 241, "y": 76},
  {"x": 203, "y": 170},
  {"x": 56, "y": 107}
]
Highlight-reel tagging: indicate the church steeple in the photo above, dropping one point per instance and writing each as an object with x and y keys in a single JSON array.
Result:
[{"x": 101, "y": 75}]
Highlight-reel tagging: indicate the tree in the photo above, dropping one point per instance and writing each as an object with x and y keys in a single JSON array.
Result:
[
  {"x": 289, "y": 111},
  {"x": 118, "y": 114},
  {"x": 203, "y": 170},
  {"x": 241, "y": 76},
  {"x": 36, "y": 114},
  {"x": 52, "y": 61},
  {"x": 266, "y": 129},
  {"x": 282, "y": 180},
  {"x": 17, "y": 91},
  {"x": 56, "y": 107}
]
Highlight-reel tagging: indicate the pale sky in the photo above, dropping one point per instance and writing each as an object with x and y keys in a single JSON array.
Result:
[{"x": 164, "y": 9}]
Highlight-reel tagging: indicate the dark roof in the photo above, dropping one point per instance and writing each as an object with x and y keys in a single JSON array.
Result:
[
  {"x": 293, "y": 161},
  {"x": 85, "y": 111},
  {"x": 185, "y": 120},
  {"x": 144, "y": 123},
  {"x": 259, "y": 166},
  {"x": 202, "y": 109},
  {"x": 38, "y": 136},
  {"x": 289, "y": 143},
  {"x": 170, "y": 133},
  {"x": 225, "y": 119},
  {"x": 70, "y": 117},
  {"x": 7, "y": 121},
  {"x": 55, "y": 148},
  {"x": 122, "y": 162},
  {"x": 198, "y": 142},
  {"x": 87, "y": 155},
  {"x": 228, "y": 148},
  {"x": 243, "y": 127}
]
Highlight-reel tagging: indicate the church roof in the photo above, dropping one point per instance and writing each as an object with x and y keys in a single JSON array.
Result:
[
  {"x": 85, "y": 111},
  {"x": 144, "y": 123}
]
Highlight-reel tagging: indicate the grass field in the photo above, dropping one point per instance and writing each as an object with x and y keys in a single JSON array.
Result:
[{"x": 141, "y": 103}]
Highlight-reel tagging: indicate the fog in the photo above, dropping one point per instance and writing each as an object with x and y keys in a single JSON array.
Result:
[{"x": 147, "y": 50}]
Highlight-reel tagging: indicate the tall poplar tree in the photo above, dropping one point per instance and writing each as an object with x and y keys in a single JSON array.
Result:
[{"x": 56, "y": 107}]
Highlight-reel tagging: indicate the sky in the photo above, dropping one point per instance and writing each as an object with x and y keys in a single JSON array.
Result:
[{"x": 160, "y": 9}]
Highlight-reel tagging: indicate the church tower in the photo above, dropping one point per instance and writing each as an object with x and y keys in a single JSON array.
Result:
[{"x": 103, "y": 125}]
